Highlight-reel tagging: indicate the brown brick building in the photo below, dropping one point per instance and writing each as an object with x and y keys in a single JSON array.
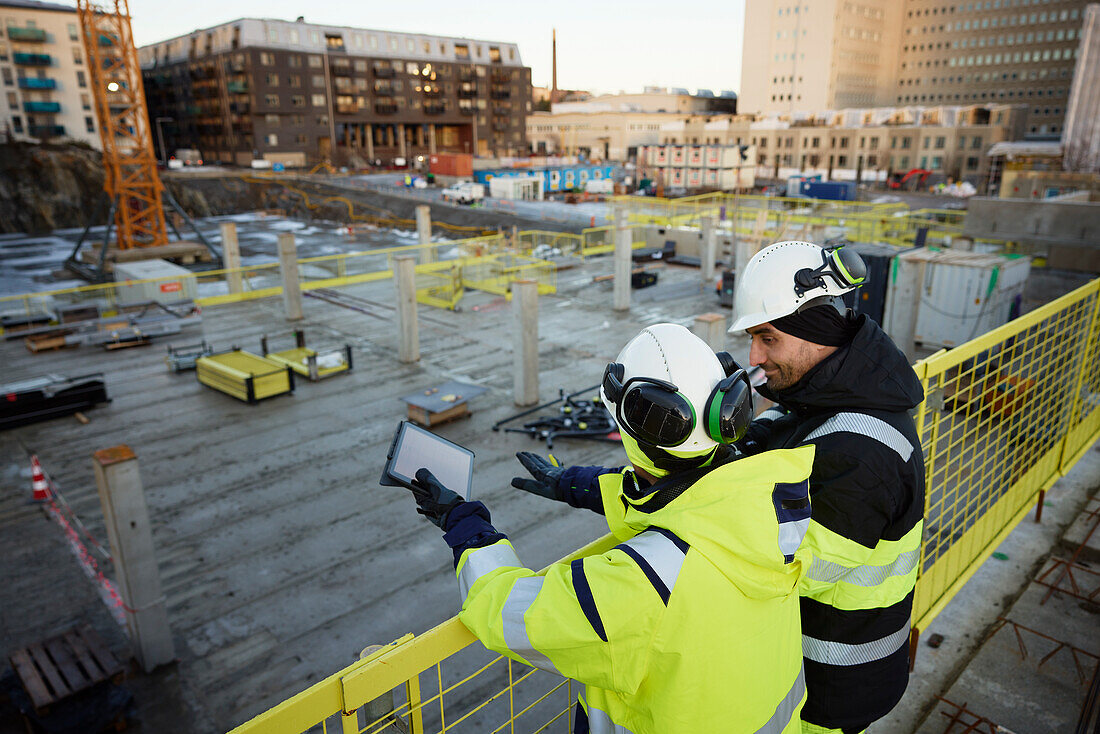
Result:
[{"x": 300, "y": 93}]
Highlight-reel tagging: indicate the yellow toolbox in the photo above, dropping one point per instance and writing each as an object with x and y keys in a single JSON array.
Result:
[{"x": 245, "y": 376}]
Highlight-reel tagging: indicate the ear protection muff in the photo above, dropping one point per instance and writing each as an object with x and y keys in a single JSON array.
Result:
[
  {"x": 845, "y": 267},
  {"x": 729, "y": 365},
  {"x": 729, "y": 408},
  {"x": 613, "y": 382}
]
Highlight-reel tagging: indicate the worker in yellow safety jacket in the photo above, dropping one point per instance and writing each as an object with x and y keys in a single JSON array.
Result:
[{"x": 691, "y": 623}]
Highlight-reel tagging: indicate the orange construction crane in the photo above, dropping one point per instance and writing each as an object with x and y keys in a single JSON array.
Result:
[{"x": 132, "y": 187}]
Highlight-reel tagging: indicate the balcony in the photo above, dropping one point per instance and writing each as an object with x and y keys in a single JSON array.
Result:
[
  {"x": 469, "y": 111},
  {"x": 500, "y": 127},
  {"x": 501, "y": 77},
  {"x": 27, "y": 82},
  {"x": 467, "y": 93},
  {"x": 501, "y": 94},
  {"x": 27, "y": 35},
  {"x": 347, "y": 109},
  {"x": 41, "y": 106},
  {"x": 385, "y": 108},
  {"x": 239, "y": 108},
  {"x": 47, "y": 131},
  {"x": 434, "y": 108},
  {"x": 343, "y": 69},
  {"x": 467, "y": 75},
  {"x": 25, "y": 59},
  {"x": 237, "y": 87},
  {"x": 383, "y": 90},
  {"x": 384, "y": 72}
]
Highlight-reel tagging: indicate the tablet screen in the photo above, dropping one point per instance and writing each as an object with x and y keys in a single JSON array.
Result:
[{"x": 417, "y": 448}]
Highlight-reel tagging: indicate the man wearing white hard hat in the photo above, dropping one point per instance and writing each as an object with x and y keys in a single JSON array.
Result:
[{"x": 841, "y": 385}]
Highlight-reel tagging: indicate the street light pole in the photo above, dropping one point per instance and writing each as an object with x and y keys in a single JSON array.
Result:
[{"x": 160, "y": 137}]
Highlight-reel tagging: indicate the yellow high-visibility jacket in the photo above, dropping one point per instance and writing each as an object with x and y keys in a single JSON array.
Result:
[{"x": 690, "y": 625}]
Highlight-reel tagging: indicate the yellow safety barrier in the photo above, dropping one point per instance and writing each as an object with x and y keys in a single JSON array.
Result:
[{"x": 1004, "y": 416}]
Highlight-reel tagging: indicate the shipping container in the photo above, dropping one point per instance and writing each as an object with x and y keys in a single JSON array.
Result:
[
  {"x": 836, "y": 190},
  {"x": 794, "y": 183},
  {"x": 962, "y": 294},
  {"x": 695, "y": 156},
  {"x": 870, "y": 298},
  {"x": 451, "y": 164},
  {"x": 153, "y": 280}
]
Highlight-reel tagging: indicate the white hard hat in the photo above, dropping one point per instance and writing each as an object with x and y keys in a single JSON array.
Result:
[
  {"x": 676, "y": 394},
  {"x": 788, "y": 276}
]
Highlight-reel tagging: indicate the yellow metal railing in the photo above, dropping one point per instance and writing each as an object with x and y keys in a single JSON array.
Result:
[
  {"x": 1004, "y": 416},
  {"x": 212, "y": 287}
]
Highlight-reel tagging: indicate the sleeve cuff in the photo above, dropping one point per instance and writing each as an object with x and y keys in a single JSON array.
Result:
[{"x": 469, "y": 526}]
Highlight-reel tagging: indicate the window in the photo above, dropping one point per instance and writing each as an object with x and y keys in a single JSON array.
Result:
[
  {"x": 273, "y": 35},
  {"x": 271, "y": 139},
  {"x": 412, "y": 68},
  {"x": 78, "y": 57},
  {"x": 334, "y": 41},
  {"x": 817, "y": 142},
  {"x": 494, "y": 54},
  {"x": 267, "y": 59},
  {"x": 462, "y": 51},
  {"x": 318, "y": 80},
  {"x": 294, "y": 81},
  {"x": 976, "y": 144},
  {"x": 272, "y": 80},
  {"x": 17, "y": 123},
  {"x": 940, "y": 142},
  {"x": 972, "y": 163},
  {"x": 85, "y": 102},
  {"x": 317, "y": 100},
  {"x": 905, "y": 143},
  {"x": 89, "y": 124},
  {"x": 13, "y": 100},
  {"x": 73, "y": 36},
  {"x": 410, "y": 46},
  {"x": 81, "y": 81},
  {"x": 298, "y": 100},
  {"x": 8, "y": 79},
  {"x": 315, "y": 61},
  {"x": 295, "y": 37},
  {"x": 294, "y": 61},
  {"x": 937, "y": 162},
  {"x": 272, "y": 100},
  {"x": 300, "y": 139},
  {"x": 271, "y": 120}
]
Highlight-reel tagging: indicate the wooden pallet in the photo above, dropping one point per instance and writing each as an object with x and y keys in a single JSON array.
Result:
[
  {"x": 45, "y": 342},
  {"x": 62, "y": 666}
]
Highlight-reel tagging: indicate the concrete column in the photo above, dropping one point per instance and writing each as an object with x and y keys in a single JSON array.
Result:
[
  {"x": 288, "y": 266},
  {"x": 404, "y": 275},
  {"x": 370, "y": 143},
  {"x": 709, "y": 250},
  {"x": 424, "y": 232},
  {"x": 711, "y": 328},
  {"x": 401, "y": 143},
  {"x": 525, "y": 320},
  {"x": 231, "y": 255},
  {"x": 118, "y": 482},
  {"x": 623, "y": 264},
  {"x": 431, "y": 139}
]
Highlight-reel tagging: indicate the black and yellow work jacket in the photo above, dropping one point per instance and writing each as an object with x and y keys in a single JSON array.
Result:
[{"x": 867, "y": 490}]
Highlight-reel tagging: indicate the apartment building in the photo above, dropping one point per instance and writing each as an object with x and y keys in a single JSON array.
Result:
[
  {"x": 299, "y": 93},
  {"x": 614, "y": 126},
  {"x": 863, "y": 144},
  {"x": 43, "y": 74},
  {"x": 833, "y": 54}
]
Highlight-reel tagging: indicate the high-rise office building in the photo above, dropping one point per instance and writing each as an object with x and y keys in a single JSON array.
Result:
[
  {"x": 299, "y": 93},
  {"x": 43, "y": 74},
  {"x": 1081, "y": 138},
  {"x": 818, "y": 55}
]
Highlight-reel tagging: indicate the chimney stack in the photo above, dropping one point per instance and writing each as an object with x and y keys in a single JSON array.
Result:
[{"x": 554, "y": 47}]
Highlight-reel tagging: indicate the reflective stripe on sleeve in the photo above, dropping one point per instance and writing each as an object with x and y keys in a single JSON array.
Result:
[
  {"x": 866, "y": 576},
  {"x": 481, "y": 561},
  {"x": 770, "y": 414},
  {"x": 600, "y": 723},
  {"x": 660, "y": 558},
  {"x": 865, "y": 425},
  {"x": 785, "y": 711},
  {"x": 523, "y": 595},
  {"x": 840, "y": 653},
  {"x": 791, "y": 535}
]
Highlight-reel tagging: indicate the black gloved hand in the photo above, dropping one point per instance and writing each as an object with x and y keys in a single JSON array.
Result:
[
  {"x": 433, "y": 500},
  {"x": 546, "y": 476}
]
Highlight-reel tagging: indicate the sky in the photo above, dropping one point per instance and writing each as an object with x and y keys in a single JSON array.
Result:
[{"x": 603, "y": 45}]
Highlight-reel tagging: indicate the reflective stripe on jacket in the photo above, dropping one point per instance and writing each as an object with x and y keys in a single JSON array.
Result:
[{"x": 689, "y": 625}]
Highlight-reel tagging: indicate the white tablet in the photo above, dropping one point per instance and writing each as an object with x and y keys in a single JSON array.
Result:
[{"x": 415, "y": 448}]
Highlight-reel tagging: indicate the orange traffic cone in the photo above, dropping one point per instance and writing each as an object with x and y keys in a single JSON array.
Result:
[{"x": 38, "y": 482}]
